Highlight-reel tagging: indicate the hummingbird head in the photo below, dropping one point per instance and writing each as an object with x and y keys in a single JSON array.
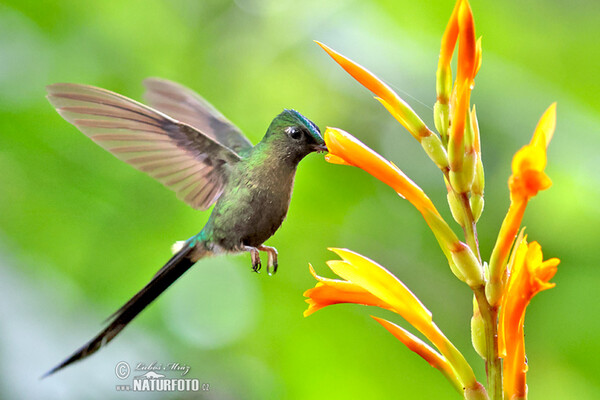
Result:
[{"x": 294, "y": 136}]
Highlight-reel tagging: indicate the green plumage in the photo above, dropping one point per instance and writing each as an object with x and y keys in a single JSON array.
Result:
[
  {"x": 257, "y": 196},
  {"x": 194, "y": 150}
]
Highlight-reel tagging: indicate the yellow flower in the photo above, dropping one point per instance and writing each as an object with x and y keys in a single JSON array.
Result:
[
  {"x": 528, "y": 177},
  {"x": 334, "y": 291},
  {"x": 366, "y": 282},
  {"x": 528, "y": 275}
]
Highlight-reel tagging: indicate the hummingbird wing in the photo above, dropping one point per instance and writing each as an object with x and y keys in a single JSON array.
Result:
[
  {"x": 184, "y": 159},
  {"x": 187, "y": 106}
]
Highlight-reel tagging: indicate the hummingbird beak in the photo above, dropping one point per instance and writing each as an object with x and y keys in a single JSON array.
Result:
[{"x": 320, "y": 148}]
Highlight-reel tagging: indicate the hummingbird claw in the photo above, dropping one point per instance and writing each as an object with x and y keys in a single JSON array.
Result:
[
  {"x": 255, "y": 256},
  {"x": 272, "y": 261},
  {"x": 256, "y": 264},
  {"x": 256, "y": 267},
  {"x": 272, "y": 269}
]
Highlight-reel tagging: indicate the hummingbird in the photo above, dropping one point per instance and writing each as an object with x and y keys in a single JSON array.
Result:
[{"x": 185, "y": 143}]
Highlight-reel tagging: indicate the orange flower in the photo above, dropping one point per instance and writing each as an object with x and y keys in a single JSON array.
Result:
[
  {"x": 370, "y": 284},
  {"x": 528, "y": 177},
  {"x": 461, "y": 28},
  {"x": 528, "y": 275},
  {"x": 478, "y": 53},
  {"x": 401, "y": 110},
  {"x": 346, "y": 149},
  {"x": 334, "y": 291},
  {"x": 366, "y": 282},
  {"x": 468, "y": 63},
  {"x": 467, "y": 45},
  {"x": 449, "y": 39}
]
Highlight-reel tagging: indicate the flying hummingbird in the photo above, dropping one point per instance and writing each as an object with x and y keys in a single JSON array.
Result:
[{"x": 191, "y": 148}]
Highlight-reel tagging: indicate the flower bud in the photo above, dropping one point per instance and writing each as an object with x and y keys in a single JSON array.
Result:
[
  {"x": 441, "y": 114},
  {"x": 468, "y": 265},
  {"x": 479, "y": 178},
  {"x": 477, "y": 204},
  {"x": 443, "y": 83},
  {"x": 476, "y": 392},
  {"x": 478, "y": 331},
  {"x": 435, "y": 150},
  {"x": 455, "y": 207}
]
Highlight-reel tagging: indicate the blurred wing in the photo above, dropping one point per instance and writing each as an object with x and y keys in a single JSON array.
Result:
[
  {"x": 182, "y": 158},
  {"x": 187, "y": 106}
]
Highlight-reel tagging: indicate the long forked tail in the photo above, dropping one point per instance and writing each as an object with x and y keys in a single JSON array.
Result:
[{"x": 173, "y": 269}]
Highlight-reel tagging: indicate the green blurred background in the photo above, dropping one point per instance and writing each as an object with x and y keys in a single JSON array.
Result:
[{"x": 80, "y": 232}]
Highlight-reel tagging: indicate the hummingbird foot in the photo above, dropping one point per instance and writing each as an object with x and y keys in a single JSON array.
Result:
[
  {"x": 255, "y": 256},
  {"x": 272, "y": 261}
]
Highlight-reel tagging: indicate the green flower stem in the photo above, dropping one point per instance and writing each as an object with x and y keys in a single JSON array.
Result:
[
  {"x": 493, "y": 364},
  {"x": 470, "y": 226},
  {"x": 489, "y": 313}
]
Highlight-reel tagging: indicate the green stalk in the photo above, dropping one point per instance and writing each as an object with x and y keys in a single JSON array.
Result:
[
  {"x": 489, "y": 313},
  {"x": 493, "y": 363},
  {"x": 470, "y": 227}
]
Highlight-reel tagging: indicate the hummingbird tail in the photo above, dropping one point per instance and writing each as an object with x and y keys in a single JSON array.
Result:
[{"x": 169, "y": 273}]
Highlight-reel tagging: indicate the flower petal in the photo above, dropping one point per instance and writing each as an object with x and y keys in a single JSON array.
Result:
[
  {"x": 529, "y": 157},
  {"x": 478, "y": 52},
  {"x": 346, "y": 147},
  {"x": 435, "y": 359},
  {"x": 408, "y": 117},
  {"x": 381, "y": 283},
  {"x": 361, "y": 272},
  {"x": 333, "y": 159},
  {"x": 527, "y": 179},
  {"x": 545, "y": 127},
  {"x": 332, "y": 291},
  {"x": 467, "y": 45},
  {"x": 506, "y": 236},
  {"x": 528, "y": 275},
  {"x": 449, "y": 38},
  {"x": 349, "y": 149},
  {"x": 528, "y": 183}
]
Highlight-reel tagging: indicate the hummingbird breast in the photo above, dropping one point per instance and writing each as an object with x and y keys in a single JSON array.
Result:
[{"x": 252, "y": 207}]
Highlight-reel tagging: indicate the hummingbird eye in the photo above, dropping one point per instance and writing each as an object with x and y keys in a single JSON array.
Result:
[{"x": 294, "y": 132}]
